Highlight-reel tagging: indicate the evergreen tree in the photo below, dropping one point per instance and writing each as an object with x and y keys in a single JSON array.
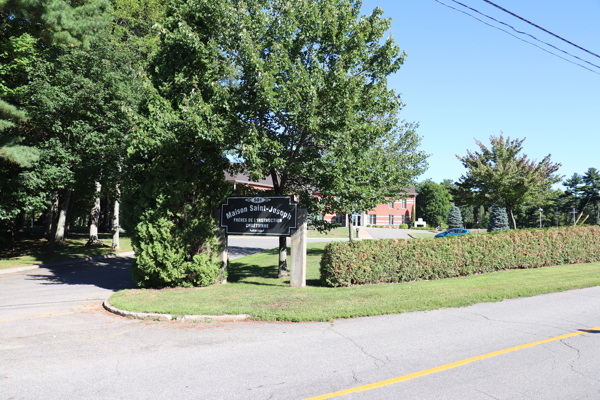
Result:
[
  {"x": 454, "y": 218},
  {"x": 467, "y": 216},
  {"x": 498, "y": 219}
]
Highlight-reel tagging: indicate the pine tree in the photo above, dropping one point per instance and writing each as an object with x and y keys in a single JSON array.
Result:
[
  {"x": 455, "y": 218},
  {"x": 498, "y": 219}
]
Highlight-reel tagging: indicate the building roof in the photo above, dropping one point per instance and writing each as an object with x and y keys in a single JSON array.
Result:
[
  {"x": 268, "y": 182},
  {"x": 243, "y": 178}
]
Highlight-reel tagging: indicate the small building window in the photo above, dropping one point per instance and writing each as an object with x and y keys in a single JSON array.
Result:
[
  {"x": 391, "y": 219},
  {"x": 403, "y": 203},
  {"x": 372, "y": 219},
  {"x": 390, "y": 205}
]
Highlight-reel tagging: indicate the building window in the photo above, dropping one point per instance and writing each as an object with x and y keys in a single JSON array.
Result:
[
  {"x": 403, "y": 203},
  {"x": 390, "y": 205},
  {"x": 391, "y": 220},
  {"x": 372, "y": 219}
]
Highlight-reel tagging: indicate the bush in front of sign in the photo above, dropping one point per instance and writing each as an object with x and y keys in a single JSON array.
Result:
[{"x": 162, "y": 260}]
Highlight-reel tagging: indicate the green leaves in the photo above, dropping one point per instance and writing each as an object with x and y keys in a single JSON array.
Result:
[{"x": 503, "y": 176}]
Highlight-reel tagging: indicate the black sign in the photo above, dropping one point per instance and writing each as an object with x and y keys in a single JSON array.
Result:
[{"x": 261, "y": 216}]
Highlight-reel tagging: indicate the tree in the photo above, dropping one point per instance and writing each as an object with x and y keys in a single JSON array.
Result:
[
  {"x": 503, "y": 176},
  {"x": 434, "y": 203},
  {"x": 59, "y": 21},
  {"x": 591, "y": 190},
  {"x": 482, "y": 217},
  {"x": 498, "y": 219},
  {"x": 455, "y": 218},
  {"x": 314, "y": 96},
  {"x": 467, "y": 216},
  {"x": 304, "y": 88}
]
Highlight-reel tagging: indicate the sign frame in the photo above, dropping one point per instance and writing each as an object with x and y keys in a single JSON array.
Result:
[{"x": 290, "y": 212}]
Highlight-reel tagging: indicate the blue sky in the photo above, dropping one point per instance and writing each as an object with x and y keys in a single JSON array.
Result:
[{"x": 464, "y": 80}]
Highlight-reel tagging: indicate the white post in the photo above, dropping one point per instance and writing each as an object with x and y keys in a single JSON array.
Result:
[{"x": 299, "y": 241}]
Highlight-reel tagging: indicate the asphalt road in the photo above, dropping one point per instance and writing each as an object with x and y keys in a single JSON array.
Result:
[
  {"x": 56, "y": 342},
  {"x": 386, "y": 233}
]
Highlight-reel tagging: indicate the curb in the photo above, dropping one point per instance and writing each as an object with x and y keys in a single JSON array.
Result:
[
  {"x": 71, "y": 261},
  {"x": 171, "y": 317}
]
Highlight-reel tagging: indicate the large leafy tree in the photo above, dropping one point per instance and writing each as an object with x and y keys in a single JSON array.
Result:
[
  {"x": 316, "y": 108},
  {"x": 30, "y": 31},
  {"x": 292, "y": 90},
  {"x": 434, "y": 202},
  {"x": 503, "y": 176}
]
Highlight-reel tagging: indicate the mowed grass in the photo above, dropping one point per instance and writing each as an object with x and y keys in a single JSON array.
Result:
[
  {"x": 421, "y": 235},
  {"x": 30, "y": 249},
  {"x": 254, "y": 289}
]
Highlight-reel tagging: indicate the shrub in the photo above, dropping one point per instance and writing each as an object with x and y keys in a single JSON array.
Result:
[
  {"x": 403, "y": 226},
  {"x": 390, "y": 260}
]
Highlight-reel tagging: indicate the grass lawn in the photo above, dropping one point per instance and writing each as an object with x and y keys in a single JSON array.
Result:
[
  {"x": 421, "y": 235},
  {"x": 29, "y": 249},
  {"x": 254, "y": 289},
  {"x": 339, "y": 232}
]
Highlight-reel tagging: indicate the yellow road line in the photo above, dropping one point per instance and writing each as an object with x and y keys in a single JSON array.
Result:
[{"x": 445, "y": 367}]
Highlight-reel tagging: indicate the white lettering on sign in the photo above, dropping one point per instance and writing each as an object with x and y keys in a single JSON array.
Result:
[
  {"x": 271, "y": 209},
  {"x": 237, "y": 212},
  {"x": 257, "y": 225}
]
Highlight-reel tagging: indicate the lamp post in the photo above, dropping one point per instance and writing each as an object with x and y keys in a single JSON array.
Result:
[{"x": 541, "y": 211}]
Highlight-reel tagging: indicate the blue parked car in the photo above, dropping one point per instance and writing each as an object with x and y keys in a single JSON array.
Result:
[{"x": 453, "y": 232}]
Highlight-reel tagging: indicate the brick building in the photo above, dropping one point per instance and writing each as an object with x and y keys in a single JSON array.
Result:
[{"x": 392, "y": 213}]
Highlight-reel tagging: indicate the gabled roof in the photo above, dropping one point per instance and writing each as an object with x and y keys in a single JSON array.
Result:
[{"x": 268, "y": 182}]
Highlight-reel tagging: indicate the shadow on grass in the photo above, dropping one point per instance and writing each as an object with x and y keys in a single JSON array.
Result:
[
  {"x": 31, "y": 243},
  {"x": 240, "y": 272}
]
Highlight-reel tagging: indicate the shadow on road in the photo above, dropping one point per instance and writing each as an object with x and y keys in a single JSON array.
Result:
[{"x": 112, "y": 274}]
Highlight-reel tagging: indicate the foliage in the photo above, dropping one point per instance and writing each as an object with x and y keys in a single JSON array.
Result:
[
  {"x": 583, "y": 194},
  {"x": 455, "y": 218},
  {"x": 316, "y": 107},
  {"x": 379, "y": 261},
  {"x": 434, "y": 202},
  {"x": 497, "y": 220},
  {"x": 467, "y": 216},
  {"x": 59, "y": 21},
  {"x": 482, "y": 217},
  {"x": 503, "y": 176},
  {"x": 162, "y": 258}
]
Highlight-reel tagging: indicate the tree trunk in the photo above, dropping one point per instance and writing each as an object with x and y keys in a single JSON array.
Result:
[
  {"x": 116, "y": 241},
  {"x": 283, "y": 267},
  {"x": 512, "y": 217},
  {"x": 94, "y": 217},
  {"x": 59, "y": 236},
  {"x": 52, "y": 239},
  {"x": 349, "y": 223}
]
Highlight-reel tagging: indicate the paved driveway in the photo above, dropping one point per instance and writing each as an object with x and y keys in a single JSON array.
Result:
[
  {"x": 56, "y": 342},
  {"x": 384, "y": 233}
]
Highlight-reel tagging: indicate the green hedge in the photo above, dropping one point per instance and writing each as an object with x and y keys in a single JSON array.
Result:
[{"x": 389, "y": 260}]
